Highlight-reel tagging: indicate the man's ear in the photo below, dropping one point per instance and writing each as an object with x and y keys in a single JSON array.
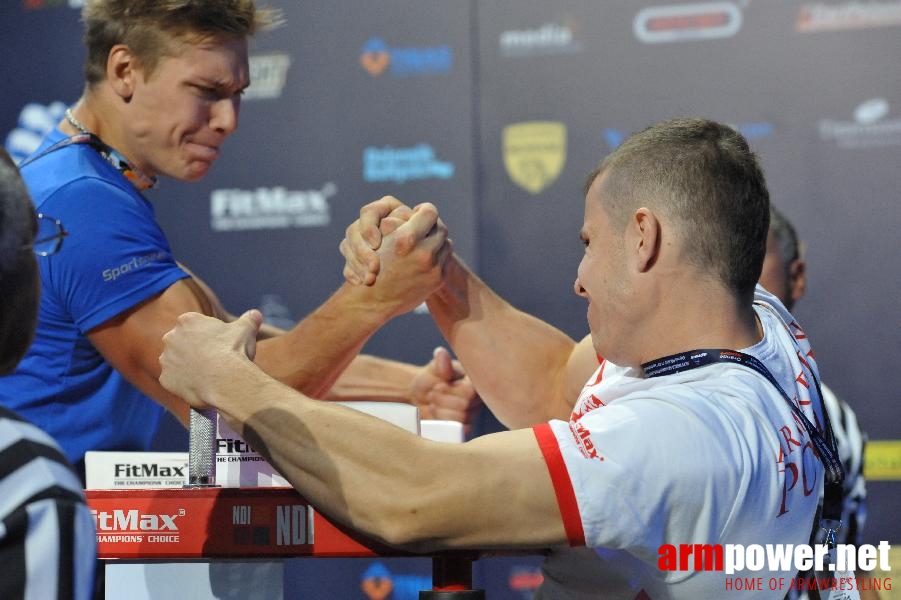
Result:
[
  {"x": 122, "y": 71},
  {"x": 645, "y": 228},
  {"x": 797, "y": 279}
]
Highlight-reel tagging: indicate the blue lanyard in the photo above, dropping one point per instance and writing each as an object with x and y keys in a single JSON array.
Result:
[{"x": 824, "y": 445}]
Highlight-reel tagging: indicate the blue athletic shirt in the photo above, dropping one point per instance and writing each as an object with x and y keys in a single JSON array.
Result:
[{"x": 115, "y": 257}]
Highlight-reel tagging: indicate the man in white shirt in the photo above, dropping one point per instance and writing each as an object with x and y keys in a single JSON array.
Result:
[{"x": 659, "y": 447}]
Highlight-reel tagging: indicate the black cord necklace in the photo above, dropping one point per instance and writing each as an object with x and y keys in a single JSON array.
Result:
[{"x": 115, "y": 158}]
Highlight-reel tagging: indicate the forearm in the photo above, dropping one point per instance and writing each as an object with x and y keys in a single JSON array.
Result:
[
  {"x": 389, "y": 484},
  {"x": 372, "y": 378},
  {"x": 311, "y": 356},
  {"x": 518, "y": 363}
]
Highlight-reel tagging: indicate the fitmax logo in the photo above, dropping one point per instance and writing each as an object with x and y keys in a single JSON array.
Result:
[
  {"x": 232, "y": 446},
  {"x": 376, "y": 57},
  {"x": 270, "y": 208},
  {"x": 134, "y": 521},
  {"x": 148, "y": 470}
]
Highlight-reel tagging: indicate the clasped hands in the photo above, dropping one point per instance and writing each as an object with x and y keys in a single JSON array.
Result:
[{"x": 397, "y": 252}]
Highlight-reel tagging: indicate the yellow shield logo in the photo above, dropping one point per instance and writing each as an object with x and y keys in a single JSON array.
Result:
[{"x": 534, "y": 153}]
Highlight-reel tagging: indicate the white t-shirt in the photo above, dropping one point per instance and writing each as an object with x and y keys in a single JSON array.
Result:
[{"x": 711, "y": 455}]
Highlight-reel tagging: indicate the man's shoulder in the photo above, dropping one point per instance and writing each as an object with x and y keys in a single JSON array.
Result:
[{"x": 58, "y": 168}]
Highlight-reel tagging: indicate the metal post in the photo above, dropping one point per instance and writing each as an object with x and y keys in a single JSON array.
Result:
[{"x": 202, "y": 451}]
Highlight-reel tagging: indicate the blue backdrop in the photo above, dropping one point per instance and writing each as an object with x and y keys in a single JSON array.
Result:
[{"x": 495, "y": 110}]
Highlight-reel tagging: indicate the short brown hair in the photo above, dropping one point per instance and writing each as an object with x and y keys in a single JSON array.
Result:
[
  {"x": 703, "y": 175},
  {"x": 149, "y": 26}
]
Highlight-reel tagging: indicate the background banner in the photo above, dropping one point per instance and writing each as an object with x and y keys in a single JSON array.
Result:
[{"x": 496, "y": 110}]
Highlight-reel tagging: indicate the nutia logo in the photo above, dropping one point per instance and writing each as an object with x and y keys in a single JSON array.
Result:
[{"x": 376, "y": 57}]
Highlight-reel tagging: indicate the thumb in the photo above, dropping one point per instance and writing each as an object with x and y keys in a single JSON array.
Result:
[
  {"x": 444, "y": 367},
  {"x": 248, "y": 325}
]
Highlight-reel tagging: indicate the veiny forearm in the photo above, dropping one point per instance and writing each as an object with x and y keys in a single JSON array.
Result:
[
  {"x": 517, "y": 362},
  {"x": 392, "y": 485}
]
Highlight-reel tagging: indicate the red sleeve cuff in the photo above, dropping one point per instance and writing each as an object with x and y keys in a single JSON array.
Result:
[{"x": 563, "y": 487}]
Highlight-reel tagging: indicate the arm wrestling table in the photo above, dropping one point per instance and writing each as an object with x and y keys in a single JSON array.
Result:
[{"x": 209, "y": 524}]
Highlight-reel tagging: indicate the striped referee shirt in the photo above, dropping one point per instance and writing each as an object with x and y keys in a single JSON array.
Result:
[{"x": 47, "y": 538}]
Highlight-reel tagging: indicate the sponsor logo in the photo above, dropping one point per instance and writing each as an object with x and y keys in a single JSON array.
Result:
[
  {"x": 149, "y": 475},
  {"x": 869, "y": 128},
  {"x": 582, "y": 436},
  {"x": 134, "y": 264},
  {"x": 235, "y": 450},
  {"x": 882, "y": 460},
  {"x": 585, "y": 406},
  {"x": 404, "y": 164},
  {"x": 267, "y": 76},
  {"x": 133, "y": 526},
  {"x": 613, "y": 137},
  {"x": 133, "y": 520},
  {"x": 293, "y": 525},
  {"x": 550, "y": 38},
  {"x": 377, "y": 58},
  {"x": 254, "y": 526},
  {"x": 784, "y": 558},
  {"x": 819, "y": 16},
  {"x": 39, "y": 4},
  {"x": 753, "y": 130},
  {"x": 35, "y": 121},
  {"x": 525, "y": 579},
  {"x": 534, "y": 153},
  {"x": 379, "y": 583},
  {"x": 270, "y": 208},
  {"x": 684, "y": 22},
  {"x": 148, "y": 470}
]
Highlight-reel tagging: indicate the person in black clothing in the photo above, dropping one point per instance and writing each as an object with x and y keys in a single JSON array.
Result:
[{"x": 47, "y": 540}]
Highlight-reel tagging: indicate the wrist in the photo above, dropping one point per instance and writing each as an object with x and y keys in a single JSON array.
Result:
[
  {"x": 370, "y": 309},
  {"x": 230, "y": 386},
  {"x": 450, "y": 297}
]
